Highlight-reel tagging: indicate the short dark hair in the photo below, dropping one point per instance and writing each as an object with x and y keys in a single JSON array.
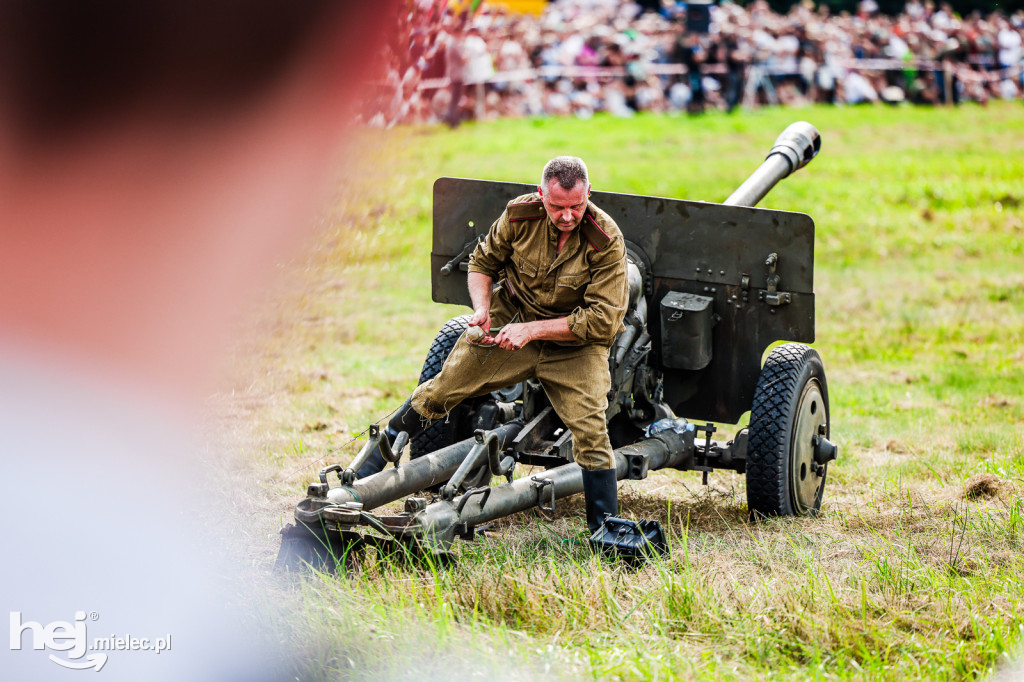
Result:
[{"x": 567, "y": 170}]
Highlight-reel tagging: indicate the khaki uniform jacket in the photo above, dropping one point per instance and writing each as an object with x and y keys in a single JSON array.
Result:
[{"x": 585, "y": 283}]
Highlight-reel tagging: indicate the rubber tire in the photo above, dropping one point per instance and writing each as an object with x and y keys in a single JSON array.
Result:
[
  {"x": 440, "y": 434},
  {"x": 788, "y": 369}
]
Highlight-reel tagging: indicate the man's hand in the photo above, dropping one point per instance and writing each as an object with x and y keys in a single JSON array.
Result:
[
  {"x": 482, "y": 319},
  {"x": 475, "y": 336},
  {"x": 514, "y": 336}
]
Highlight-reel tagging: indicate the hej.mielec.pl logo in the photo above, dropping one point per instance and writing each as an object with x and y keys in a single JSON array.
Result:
[{"x": 74, "y": 639}]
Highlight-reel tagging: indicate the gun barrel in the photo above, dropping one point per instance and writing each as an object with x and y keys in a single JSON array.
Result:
[{"x": 794, "y": 149}]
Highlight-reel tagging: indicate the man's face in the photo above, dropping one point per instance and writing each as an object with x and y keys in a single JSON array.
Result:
[{"x": 565, "y": 207}]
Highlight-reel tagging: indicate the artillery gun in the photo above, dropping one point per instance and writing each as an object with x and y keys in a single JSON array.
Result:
[{"x": 711, "y": 288}]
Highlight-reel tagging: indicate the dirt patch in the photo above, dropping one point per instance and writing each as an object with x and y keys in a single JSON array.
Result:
[
  {"x": 996, "y": 401},
  {"x": 982, "y": 486},
  {"x": 897, "y": 447}
]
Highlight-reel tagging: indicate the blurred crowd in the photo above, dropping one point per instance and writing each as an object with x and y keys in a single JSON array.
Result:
[{"x": 580, "y": 57}]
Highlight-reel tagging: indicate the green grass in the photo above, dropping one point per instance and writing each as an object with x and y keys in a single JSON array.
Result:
[{"x": 920, "y": 314}]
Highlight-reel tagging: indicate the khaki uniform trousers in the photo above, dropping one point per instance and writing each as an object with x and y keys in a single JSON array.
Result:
[{"x": 575, "y": 379}]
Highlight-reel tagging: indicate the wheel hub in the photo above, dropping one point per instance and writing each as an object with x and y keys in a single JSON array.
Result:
[{"x": 810, "y": 423}]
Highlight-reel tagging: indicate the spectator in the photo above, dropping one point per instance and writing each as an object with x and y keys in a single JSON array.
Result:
[
  {"x": 618, "y": 60},
  {"x": 477, "y": 67}
]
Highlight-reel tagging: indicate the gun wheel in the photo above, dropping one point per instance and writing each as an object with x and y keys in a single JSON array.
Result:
[
  {"x": 444, "y": 432},
  {"x": 790, "y": 412},
  {"x": 439, "y": 434}
]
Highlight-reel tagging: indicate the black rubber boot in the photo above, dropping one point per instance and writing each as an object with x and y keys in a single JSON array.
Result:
[
  {"x": 405, "y": 419},
  {"x": 601, "y": 493},
  {"x": 408, "y": 420}
]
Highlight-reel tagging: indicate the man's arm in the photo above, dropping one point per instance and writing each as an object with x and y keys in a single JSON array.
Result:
[
  {"x": 480, "y": 287},
  {"x": 515, "y": 336},
  {"x": 487, "y": 259},
  {"x": 606, "y": 298}
]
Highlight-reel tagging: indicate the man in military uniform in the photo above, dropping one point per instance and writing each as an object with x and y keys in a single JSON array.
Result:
[{"x": 560, "y": 262}]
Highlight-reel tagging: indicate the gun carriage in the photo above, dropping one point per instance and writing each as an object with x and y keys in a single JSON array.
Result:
[{"x": 712, "y": 288}]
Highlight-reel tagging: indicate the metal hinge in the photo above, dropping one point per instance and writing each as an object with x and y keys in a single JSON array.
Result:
[{"x": 773, "y": 296}]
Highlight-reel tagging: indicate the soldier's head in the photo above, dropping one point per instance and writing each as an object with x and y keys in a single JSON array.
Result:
[{"x": 564, "y": 188}]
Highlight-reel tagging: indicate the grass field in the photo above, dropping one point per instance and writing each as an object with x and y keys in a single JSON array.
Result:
[{"x": 913, "y": 571}]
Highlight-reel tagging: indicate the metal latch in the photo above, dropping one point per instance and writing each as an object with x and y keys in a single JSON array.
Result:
[
  {"x": 773, "y": 296},
  {"x": 539, "y": 484}
]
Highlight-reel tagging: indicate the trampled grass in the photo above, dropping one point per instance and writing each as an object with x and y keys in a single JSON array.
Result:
[{"x": 913, "y": 571}]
